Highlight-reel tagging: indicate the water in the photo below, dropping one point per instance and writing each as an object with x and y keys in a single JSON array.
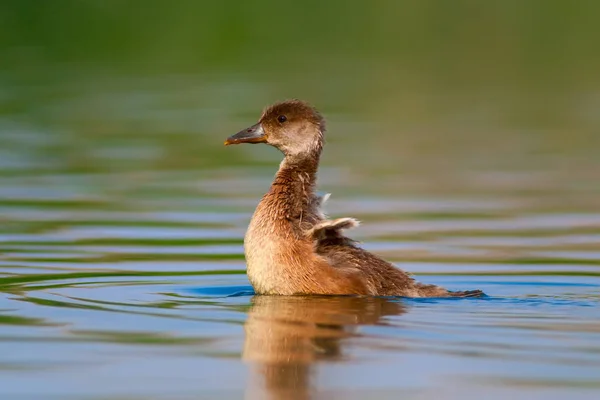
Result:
[{"x": 122, "y": 215}]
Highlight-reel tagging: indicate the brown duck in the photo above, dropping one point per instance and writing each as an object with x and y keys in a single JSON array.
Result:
[{"x": 290, "y": 246}]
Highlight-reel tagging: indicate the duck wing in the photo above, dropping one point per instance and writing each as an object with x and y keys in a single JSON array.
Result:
[
  {"x": 381, "y": 277},
  {"x": 331, "y": 228}
]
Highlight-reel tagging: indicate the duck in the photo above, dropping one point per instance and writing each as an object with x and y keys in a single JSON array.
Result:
[{"x": 291, "y": 247}]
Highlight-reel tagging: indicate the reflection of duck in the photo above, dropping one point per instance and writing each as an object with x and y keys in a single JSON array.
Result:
[
  {"x": 285, "y": 335},
  {"x": 290, "y": 247}
]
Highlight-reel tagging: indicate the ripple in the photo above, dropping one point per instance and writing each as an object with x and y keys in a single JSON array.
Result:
[{"x": 122, "y": 251}]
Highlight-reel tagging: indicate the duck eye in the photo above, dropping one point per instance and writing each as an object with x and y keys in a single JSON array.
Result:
[{"x": 282, "y": 118}]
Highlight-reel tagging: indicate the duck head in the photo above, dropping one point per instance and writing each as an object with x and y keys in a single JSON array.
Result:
[{"x": 293, "y": 126}]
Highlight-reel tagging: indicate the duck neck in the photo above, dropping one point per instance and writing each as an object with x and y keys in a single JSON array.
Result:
[{"x": 294, "y": 185}]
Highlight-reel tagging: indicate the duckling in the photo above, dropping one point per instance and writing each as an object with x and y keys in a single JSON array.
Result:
[{"x": 290, "y": 246}]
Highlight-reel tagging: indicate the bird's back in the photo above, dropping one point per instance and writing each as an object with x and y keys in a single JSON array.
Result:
[{"x": 383, "y": 278}]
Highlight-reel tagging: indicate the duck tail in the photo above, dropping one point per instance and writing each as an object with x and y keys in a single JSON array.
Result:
[{"x": 468, "y": 293}]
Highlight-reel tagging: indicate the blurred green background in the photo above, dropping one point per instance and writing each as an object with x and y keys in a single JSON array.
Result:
[{"x": 414, "y": 90}]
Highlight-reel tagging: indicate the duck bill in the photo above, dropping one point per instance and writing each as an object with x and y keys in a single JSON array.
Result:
[{"x": 253, "y": 134}]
